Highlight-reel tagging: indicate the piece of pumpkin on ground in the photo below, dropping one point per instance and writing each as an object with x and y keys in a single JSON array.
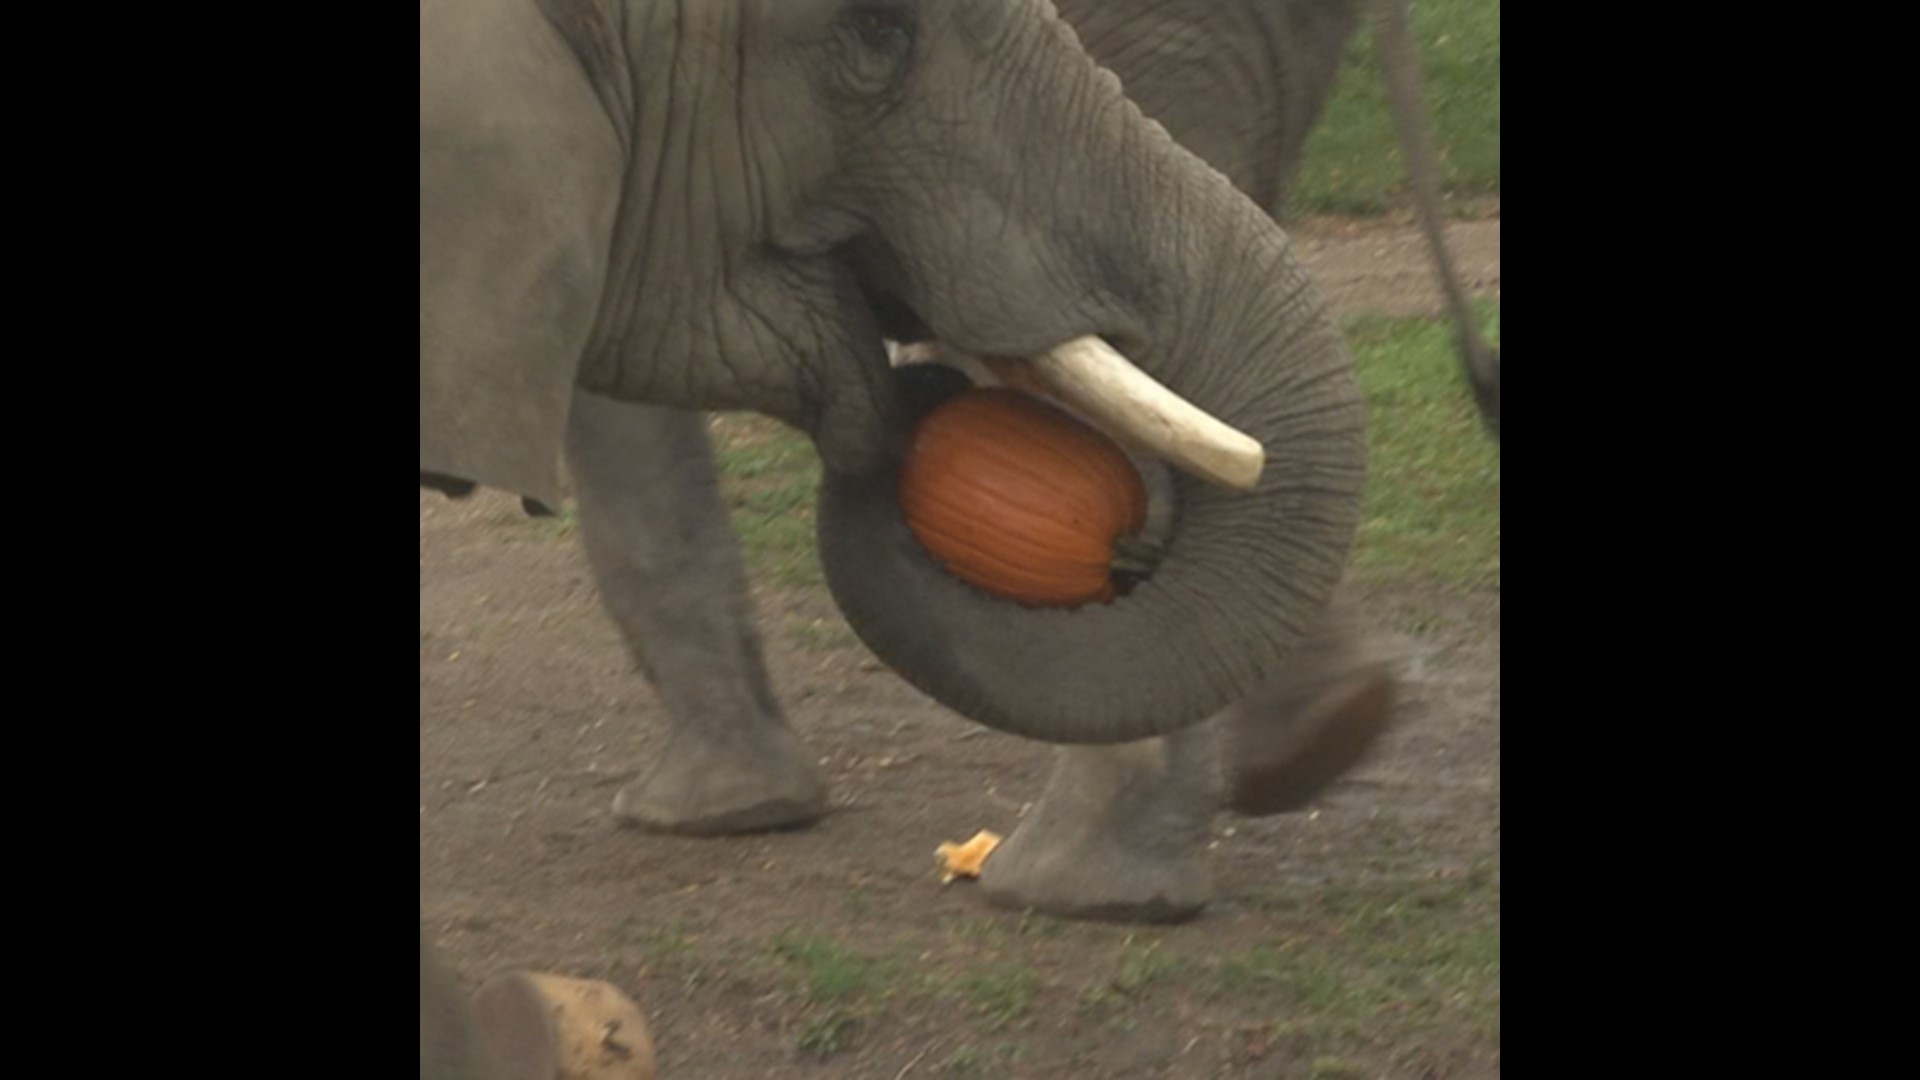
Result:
[
  {"x": 965, "y": 860},
  {"x": 549, "y": 1027}
]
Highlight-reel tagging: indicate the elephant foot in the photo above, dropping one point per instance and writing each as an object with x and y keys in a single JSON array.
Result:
[
  {"x": 708, "y": 786},
  {"x": 1120, "y": 835},
  {"x": 1281, "y": 752}
]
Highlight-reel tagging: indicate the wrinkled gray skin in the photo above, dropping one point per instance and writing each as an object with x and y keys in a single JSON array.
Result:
[{"x": 724, "y": 204}]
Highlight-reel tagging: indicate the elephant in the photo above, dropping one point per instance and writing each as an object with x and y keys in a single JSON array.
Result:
[
  {"x": 1119, "y": 832},
  {"x": 633, "y": 210}
]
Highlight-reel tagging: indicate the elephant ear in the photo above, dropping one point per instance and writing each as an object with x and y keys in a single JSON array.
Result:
[
  {"x": 502, "y": 429},
  {"x": 519, "y": 181}
]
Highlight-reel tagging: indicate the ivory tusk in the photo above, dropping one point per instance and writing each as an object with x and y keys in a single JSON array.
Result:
[
  {"x": 1134, "y": 407},
  {"x": 1090, "y": 375}
]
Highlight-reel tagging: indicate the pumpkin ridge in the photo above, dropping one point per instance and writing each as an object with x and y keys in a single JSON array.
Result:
[
  {"x": 1061, "y": 510},
  {"x": 1124, "y": 476},
  {"x": 998, "y": 577},
  {"x": 960, "y": 523},
  {"x": 1058, "y": 514},
  {"x": 1040, "y": 554},
  {"x": 1043, "y": 480},
  {"x": 992, "y": 508},
  {"x": 987, "y": 570},
  {"x": 1019, "y": 482},
  {"x": 1037, "y": 536},
  {"x": 1101, "y": 464}
]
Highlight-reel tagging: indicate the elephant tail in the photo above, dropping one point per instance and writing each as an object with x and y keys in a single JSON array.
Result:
[{"x": 1400, "y": 62}]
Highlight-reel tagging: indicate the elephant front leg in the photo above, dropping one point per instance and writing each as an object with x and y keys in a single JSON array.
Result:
[
  {"x": 1120, "y": 833},
  {"x": 669, "y": 571}
]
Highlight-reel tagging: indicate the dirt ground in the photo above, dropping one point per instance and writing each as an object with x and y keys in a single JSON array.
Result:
[
  {"x": 1382, "y": 266},
  {"x": 835, "y": 951}
]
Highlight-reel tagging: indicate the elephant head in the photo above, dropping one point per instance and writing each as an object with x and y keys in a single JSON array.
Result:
[{"x": 729, "y": 204}]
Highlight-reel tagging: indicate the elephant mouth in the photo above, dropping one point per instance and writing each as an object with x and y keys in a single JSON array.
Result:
[
  {"x": 1094, "y": 378},
  {"x": 898, "y": 322}
]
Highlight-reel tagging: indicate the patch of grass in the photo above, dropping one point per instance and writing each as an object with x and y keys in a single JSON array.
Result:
[
  {"x": 1253, "y": 971},
  {"x": 1032, "y": 923},
  {"x": 1382, "y": 962},
  {"x": 1137, "y": 968},
  {"x": 558, "y": 526},
  {"x": 1341, "y": 978},
  {"x": 670, "y": 938},
  {"x": 1352, "y": 162},
  {"x": 1140, "y": 966},
  {"x": 1328, "y": 1068},
  {"x": 968, "y": 1059},
  {"x": 836, "y": 986},
  {"x": 1433, "y": 495},
  {"x": 669, "y": 950},
  {"x": 769, "y": 474},
  {"x": 857, "y": 902},
  {"x": 828, "y": 973},
  {"x": 1002, "y": 995},
  {"x": 828, "y": 1033},
  {"x": 997, "y": 929}
]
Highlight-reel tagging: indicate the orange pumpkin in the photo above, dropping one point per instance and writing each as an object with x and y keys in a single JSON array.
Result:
[{"x": 1020, "y": 498}]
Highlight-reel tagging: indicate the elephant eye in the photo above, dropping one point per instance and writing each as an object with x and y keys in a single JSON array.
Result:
[
  {"x": 875, "y": 42},
  {"x": 882, "y": 27}
]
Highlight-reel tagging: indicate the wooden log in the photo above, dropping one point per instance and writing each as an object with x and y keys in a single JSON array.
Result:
[{"x": 549, "y": 1027}]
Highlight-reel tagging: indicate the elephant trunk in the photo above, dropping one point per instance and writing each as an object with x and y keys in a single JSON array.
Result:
[{"x": 1214, "y": 306}]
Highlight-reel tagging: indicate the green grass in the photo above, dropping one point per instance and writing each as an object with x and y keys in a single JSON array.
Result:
[
  {"x": 841, "y": 991},
  {"x": 1345, "y": 975},
  {"x": 1001, "y": 995},
  {"x": 663, "y": 942},
  {"x": 1329, "y": 1068},
  {"x": 1352, "y": 162},
  {"x": 1137, "y": 971},
  {"x": 838, "y": 989},
  {"x": 674, "y": 953},
  {"x": 557, "y": 526},
  {"x": 969, "y": 1059},
  {"x": 769, "y": 476},
  {"x": 829, "y": 973},
  {"x": 1391, "y": 959},
  {"x": 828, "y": 1033},
  {"x": 1433, "y": 489}
]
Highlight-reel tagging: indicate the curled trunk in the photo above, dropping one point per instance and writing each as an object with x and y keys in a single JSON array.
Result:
[{"x": 1230, "y": 322}]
